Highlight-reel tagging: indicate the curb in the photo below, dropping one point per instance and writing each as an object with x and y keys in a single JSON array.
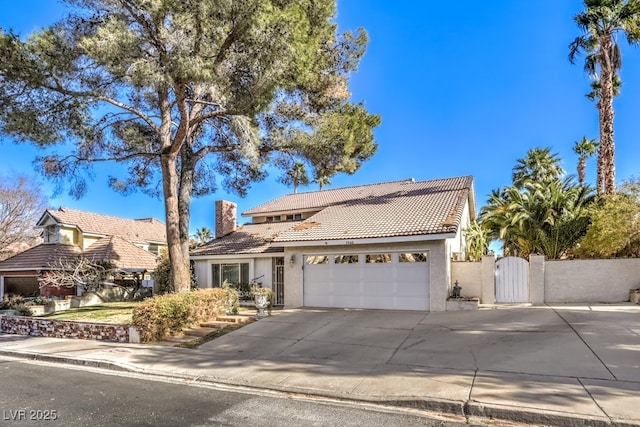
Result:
[
  {"x": 67, "y": 360},
  {"x": 450, "y": 407}
]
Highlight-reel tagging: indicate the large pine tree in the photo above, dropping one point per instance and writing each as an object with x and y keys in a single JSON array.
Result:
[{"x": 188, "y": 93}]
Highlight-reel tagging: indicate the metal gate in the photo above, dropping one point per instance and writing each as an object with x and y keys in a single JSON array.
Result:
[
  {"x": 512, "y": 280},
  {"x": 278, "y": 280}
]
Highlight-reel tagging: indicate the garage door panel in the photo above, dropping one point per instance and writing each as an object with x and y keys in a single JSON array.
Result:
[
  {"x": 408, "y": 289},
  {"x": 409, "y": 303},
  {"x": 383, "y": 285},
  {"x": 347, "y": 289},
  {"x": 346, "y": 274}
]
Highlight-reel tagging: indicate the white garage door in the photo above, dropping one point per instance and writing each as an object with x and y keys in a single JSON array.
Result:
[{"x": 367, "y": 280}]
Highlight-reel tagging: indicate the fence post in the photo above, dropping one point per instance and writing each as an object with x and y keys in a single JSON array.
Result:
[
  {"x": 488, "y": 292},
  {"x": 536, "y": 279}
]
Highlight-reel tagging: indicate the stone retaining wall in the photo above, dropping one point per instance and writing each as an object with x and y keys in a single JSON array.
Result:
[{"x": 21, "y": 325}]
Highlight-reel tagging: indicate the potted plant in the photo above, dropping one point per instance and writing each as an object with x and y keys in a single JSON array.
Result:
[{"x": 263, "y": 299}]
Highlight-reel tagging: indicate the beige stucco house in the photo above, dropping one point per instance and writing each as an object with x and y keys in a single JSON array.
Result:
[
  {"x": 131, "y": 245},
  {"x": 381, "y": 246}
]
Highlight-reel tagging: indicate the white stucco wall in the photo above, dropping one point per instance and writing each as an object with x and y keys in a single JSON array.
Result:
[
  {"x": 458, "y": 245},
  {"x": 601, "y": 280},
  {"x": 439, "y": 271},
  {"x": 202, "y": 270},
  {"x": 263, "y": 267},
  {"x": 469, "y": 277}
]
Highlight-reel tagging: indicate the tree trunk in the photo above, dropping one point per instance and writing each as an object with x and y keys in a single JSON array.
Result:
[
  {"x": 607, "y": 145},
  {"x": 178, "y": 258},
  {"x": 187, "y": 172},
  {"x": 582, "y": 166}
]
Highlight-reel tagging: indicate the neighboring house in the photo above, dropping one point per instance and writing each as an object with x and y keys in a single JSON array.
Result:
[
  {"x": 131, "y": 245},
  {"x": 386, "y": 246}
]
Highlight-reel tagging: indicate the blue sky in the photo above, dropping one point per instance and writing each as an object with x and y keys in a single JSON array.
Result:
[{"x": 463, "y": 88}]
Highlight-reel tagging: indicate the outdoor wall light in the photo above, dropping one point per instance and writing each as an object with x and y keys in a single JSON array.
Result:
[{"x": 292, "y": 260}]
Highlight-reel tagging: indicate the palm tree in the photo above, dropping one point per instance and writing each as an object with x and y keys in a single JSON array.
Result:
[
  {"x": 600, "y": 22},
  {"x": 202, "y": 236},
  {"x": 584, "y": 148},
  {"x": 322, "y": 179},
  {"x": 538, "y": 165},
  {"x": 542, "y": 212},
  {"x": 545, "y": 218},
  {"x": 297, "y": 176}
]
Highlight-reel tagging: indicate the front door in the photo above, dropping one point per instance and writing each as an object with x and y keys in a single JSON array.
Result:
[{"x": 278, "y": 280}]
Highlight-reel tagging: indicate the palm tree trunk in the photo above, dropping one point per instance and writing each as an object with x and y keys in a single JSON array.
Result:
[
  {"x": 607, "y": 146},
  {"x": 582, "y": 166}
]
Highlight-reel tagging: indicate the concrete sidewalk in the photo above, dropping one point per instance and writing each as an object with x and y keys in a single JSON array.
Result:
[{"x": 562, "y": 365}]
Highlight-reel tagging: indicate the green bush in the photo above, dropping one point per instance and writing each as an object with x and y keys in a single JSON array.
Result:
[
  {"x": 16, "y": 302},
  {"x": 163, "y": 315},
  {"x": 162, "y": 276}
]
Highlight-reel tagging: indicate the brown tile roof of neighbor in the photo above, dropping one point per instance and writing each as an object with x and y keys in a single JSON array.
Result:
[
  {"x": 40, "y": 257},
  {"x": 401, "y": 208},
  {"x": 143, "y": 230},
  {"x": 248, "y": 239},
  {"x": 121, "y": 253}
]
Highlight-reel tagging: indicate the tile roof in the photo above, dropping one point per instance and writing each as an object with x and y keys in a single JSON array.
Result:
[
  {"x": 391, "y": 209},
  {"x": 121, "y": 253},
  {"x": 40, "y": 257},
  {"x": 323, "y": 198},
  {"x": 388, "y": 210},
  {"x": 134, "y": 230},
  {"x": 248, "y": 239}
]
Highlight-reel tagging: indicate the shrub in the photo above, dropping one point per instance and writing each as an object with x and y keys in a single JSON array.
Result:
[
  {"x": 166, "y": 314},
  {"x": 16, "y": 302},
  {"x": 162, "y": 276}
]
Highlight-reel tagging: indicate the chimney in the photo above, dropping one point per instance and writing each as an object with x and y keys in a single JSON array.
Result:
[{"x": 225, "y": 218}]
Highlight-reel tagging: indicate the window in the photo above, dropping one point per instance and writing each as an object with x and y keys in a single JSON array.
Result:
[
  {"x": 50, "y": 234},
  {"x": 317, "y": 259},
  {"x": 233, "y": 273},
  {"x": 294, "y": 217},
  {"x": 345, "y": 259},
  {"x": 413, "y": 257},
  {"x": 269, "y": 219},
  {"x": 378, "y": 258}
]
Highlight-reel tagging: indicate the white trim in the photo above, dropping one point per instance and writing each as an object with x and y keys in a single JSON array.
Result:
[
  {"x": 87, "y": 234},
  {"x": 25, "y": 269},
  {"x": 236, "y": 256},
  {"x": 370, "y": 241}
]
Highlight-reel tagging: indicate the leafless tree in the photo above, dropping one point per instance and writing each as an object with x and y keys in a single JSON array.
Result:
[
  {"x": 76, "y": 271},
  {"x": 21, "y": 204}
]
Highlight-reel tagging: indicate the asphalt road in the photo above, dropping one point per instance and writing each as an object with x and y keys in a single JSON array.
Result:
[{"x": 41, "y": 394}]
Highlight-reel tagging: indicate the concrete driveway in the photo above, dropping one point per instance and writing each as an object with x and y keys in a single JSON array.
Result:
[
  {"x": 565, "y": 365},
  {"x": 554, "y": 361},
  {"x": 592, "y": 341}
]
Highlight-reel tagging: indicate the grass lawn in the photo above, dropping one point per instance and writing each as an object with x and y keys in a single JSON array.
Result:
[{"x": 110, "y": 312}]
